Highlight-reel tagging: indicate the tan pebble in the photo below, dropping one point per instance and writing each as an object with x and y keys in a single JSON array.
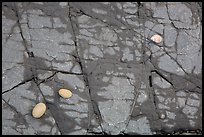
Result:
[
  {"x": 65, "y": 93},
  {"x": 39, "y": 110},
  {"x": 156, "y": 38}
]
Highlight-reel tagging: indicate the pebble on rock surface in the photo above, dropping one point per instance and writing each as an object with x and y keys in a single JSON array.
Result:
[
  {"x": 162, "y": 116},
  {"x": 39, "y": 110},
  {"x": 65, "y": 93},
  {"x": 156, "y": 38}
]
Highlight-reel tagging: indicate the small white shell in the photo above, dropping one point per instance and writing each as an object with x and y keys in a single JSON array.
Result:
[
  {"x": 39, "y": 110},
  {"x": 65, "y": 93},
  {"x": 162, "y": 116},
  {"x": 156, "y": 38}
]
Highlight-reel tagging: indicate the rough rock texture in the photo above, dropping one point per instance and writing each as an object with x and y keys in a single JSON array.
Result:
[{"x": 122, "y": 82}]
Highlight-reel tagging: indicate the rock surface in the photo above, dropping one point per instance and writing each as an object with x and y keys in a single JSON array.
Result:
[{"x": 121, "y": 81}]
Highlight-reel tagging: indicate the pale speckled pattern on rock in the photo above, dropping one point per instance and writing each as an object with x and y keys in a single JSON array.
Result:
[{"x": 121, "y": 81}]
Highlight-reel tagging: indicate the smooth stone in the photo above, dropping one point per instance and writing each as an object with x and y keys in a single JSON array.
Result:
[
  {"x": 39, "y": 110},
  {"x": 65, "y": 93}
]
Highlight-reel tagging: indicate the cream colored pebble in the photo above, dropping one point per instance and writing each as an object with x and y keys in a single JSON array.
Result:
[
  {"x": 65, "y": 93},
  {"x": 39, "y": 110},
  {"x": 156, "y": 38}
]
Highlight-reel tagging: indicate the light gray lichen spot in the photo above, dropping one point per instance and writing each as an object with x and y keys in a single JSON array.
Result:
[
  {"x": 129, "y": 43},
  {"x": 131, "y": 76},
  {"x": 192, "y": 123},
  {"x": 65, "y": 66},
  {"x": 127, "y": 55},
  {"x": 75, "y": 114},
  {"x": 160, "y": 98},
  {"x": 189, "y": 110},
  {"x": 36, "y": 21},
  {"x": 118, "y": 16},
  {"x": 162, "y": 116},
  {"x": 96, "y": 51},
  {"x": 169, "y": 100},
  {"x": 170, "y": 115},
  {"x": 161, "y": 106},
  {"x": 109, "y": 50},
  {"x": 161, "y": 82},
  {"x": 131, "y": 22},
  {"x": 170, "y": 125},
  {"x": 106, "y": 3},
  {"x": 143, "y": 85},
  {"x": 194, "y": 95},
  {"x": 108, "y": 35},
  {"x": 117, "y": 113},
  {"x": 193, "y": 102},
  {"x": 137, "y": 53},
  {"x": 85, "y": 32},
  {"x": 37, "y": 12},
  {"x": 119, "y": 5},
  {"x": 58, "y": 24},
  {"x": 142, "y": 97},
  {"x": 45, "y": 128},
  {"x": 54, "y": 130},
  {"x": 129, "y": 5},
  {"x": 83, "y": 19},
  {"x": 140, "y": 126},
  {"x": 116, "y": 90},
  {"x": 181, "y": 102},
  {"x": 63, "y": 4},
  {"x": 105, "y": 79},
  {"x": 99, "y": 11},
  {"x": 180, "y": 93}
]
